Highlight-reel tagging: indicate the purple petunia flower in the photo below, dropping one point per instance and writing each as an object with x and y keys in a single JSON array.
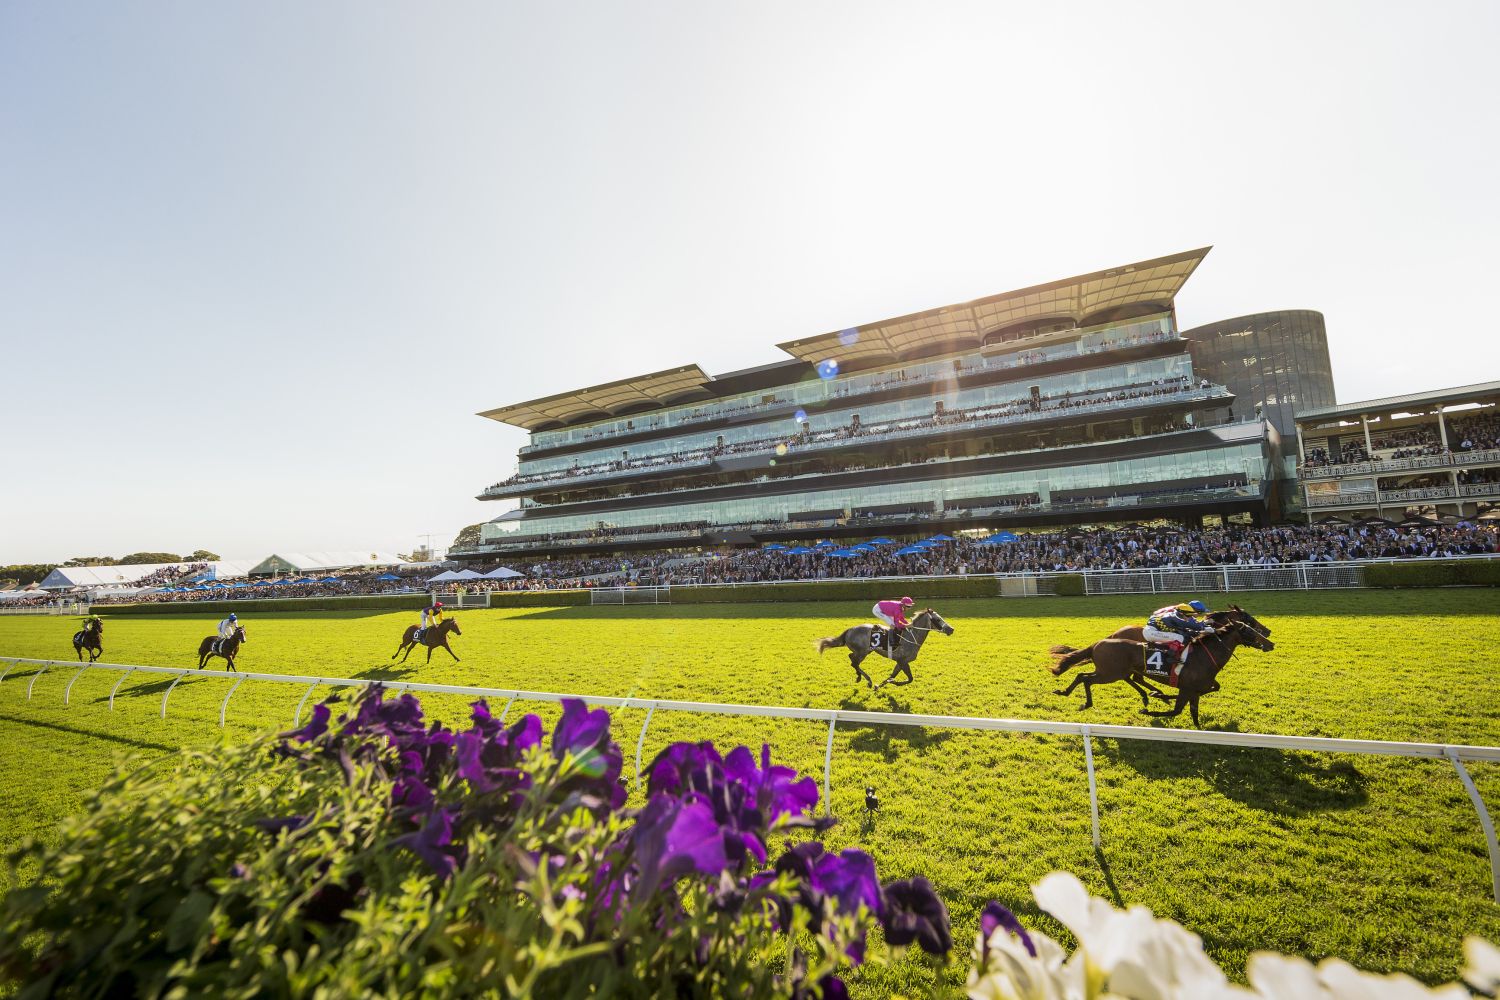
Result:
[
  {"x": 579, "y": 730},
  {"x": 410, "y": 792},
  {"x": 316, "y": 726},
  {"x": 913, "y": 912},
  {"x": 996, "y": 916},
  {"x": 429, "y": 842},
  {"x": 583, "y": 737},
  {"x": 673, "y": 838}
]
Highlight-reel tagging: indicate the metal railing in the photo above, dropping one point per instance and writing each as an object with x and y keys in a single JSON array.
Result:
[
  {"x": 1457, "y": 459},
  {"x": 1456, "y": 754},
  {"x": 1381, "y": 497}
]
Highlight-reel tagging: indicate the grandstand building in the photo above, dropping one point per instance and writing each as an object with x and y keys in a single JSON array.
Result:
[
  {"x": 1425, "y": 453},
  {"x": 1072, "y": 402}
]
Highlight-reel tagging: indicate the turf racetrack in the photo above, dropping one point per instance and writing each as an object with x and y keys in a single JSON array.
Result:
[{"x": 1378, "y": 860}]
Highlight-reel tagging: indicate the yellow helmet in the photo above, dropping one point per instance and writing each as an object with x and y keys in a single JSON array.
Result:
[{"x": 1187, "y": 609}]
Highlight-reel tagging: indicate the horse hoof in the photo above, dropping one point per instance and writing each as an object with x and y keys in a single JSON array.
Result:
[{"x": 1059, "y": 691}]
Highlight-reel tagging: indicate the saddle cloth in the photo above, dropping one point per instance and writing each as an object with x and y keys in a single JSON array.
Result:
[
  {"x": 213, "y": 647},
  {"x": 1161, "y": 661},
  {"x": 78, "y": 638},
  {"x": 418, "y": 636}
]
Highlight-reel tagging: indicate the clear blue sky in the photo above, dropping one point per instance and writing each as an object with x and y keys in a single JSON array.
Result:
[{"x": 260, "y": 263}]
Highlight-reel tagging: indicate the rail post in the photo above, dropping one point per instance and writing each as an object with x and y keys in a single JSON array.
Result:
[
  {"x": 1487, "y": 824},
  {"x": 225, "y": 703},
  {"x": 168, "y": 693},
  {"x": 68, "y": 691},
  {"x": 640, "y": 744},
  {"x": 34, "y": 676},
  {"x": 297, "y": 719},
  {"x": 833, "y": 720},
  {"x": 506, "y": 710},
  {"x": 117, "y": 687},
  {"x": 8, "y": 669},
  {"x": 1088, "y": 760}
]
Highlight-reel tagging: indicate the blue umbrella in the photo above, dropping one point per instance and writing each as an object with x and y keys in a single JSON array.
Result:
[
  {"x": 844, "y": 554},
  {"x": 775, "y": 547},
  {"x": 911, "y": 550},
  {"x": 941, "y": 538},
  {"x": 826, "y": 545},
  {"x": 881, "y": 541},
  {"x": 329, "y": 579},
  {"x": 864, "y": 547},
  {"x": 388, "y": 576},
  {"x": 800, "y": 550}
]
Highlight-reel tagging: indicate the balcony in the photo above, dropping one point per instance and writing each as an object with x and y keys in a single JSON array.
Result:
[
  {"x": 696, "y": 533},
  {"x": 1013, "y": 414},
  {"x": 1457, "y": 459},
  {"x": 854, "y": 386},
  {"x": 1391, "y": 498}
]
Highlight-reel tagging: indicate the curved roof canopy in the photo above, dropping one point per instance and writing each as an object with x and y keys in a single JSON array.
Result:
[
  {"x": 1125, "y": 290},
  {"x": 607, "y": 400}
]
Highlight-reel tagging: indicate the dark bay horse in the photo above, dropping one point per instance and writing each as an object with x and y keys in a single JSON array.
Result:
[
  {"x": 857, "y": 641},
  {"x": 1123, "y": 660},
  {"x": 1136, "y": 633},
  {"x": 436, "y": 635},
  {"x": 90, "y": 637},
  {"x": 229, "y": 648}
]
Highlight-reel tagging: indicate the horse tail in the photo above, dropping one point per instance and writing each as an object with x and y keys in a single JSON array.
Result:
[
  {"x": 833, "y": 642},
  {"x": 1067, "y": 659}
]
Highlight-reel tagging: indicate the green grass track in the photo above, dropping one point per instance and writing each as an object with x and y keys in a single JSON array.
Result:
[{"x": 1377, "y": 860}]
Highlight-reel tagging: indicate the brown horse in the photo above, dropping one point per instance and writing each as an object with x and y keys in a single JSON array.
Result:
[
  {"x": 90, "y": 637},
  {"x": 1135, "y": 633},
  {"x": 229, "y": 648},
  {"x": 1123, "y": 660},
  {"x": 435, "y": 636},
  {"x": 857, "y": 641}
]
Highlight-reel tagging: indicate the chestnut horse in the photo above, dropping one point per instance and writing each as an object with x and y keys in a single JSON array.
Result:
[
  {"x": 228, "y": 648},
  {"x": 435, "y": 636}
]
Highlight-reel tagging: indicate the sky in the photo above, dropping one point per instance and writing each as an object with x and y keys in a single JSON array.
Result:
[{"x": 261, "y": 263}]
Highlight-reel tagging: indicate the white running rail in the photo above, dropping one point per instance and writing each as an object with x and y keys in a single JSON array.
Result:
[{"x": 1455, "y": 753}]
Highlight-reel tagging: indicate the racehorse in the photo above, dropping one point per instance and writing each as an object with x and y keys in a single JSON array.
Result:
[
  {"x": 90, "y": 638},
  {"x": 1136, "y": 633},
  {"x": 1123, "y": 660},
  {"x": 858, "y": 641},
  {"x": 229, "y": 648},
  {"x": 435, "y": 636}
]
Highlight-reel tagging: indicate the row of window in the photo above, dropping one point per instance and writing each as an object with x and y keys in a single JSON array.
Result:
[
  {"x": 1169, "y": 369},
  {"x": 820, "y": 391},
  {"x": 1247, "y": 460}
]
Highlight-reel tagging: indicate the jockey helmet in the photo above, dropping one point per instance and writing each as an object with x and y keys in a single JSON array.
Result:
[
  {"x": 1186, "y": 609},
  {"x": 1199, "y": 607},
  {"x": 907, "y": 602},
  {"x": 437, "y": 604},
  {"x": 233, "y": 617}
]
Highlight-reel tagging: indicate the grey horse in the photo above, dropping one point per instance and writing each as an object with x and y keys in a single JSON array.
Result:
[{"x": 857, "y": 641}]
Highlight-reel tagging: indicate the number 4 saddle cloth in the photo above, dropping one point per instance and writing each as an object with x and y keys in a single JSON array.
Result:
[{"x": 1162, "y": 661}]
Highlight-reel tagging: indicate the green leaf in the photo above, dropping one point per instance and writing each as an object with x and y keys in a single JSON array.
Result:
[{"x": 188, "y": 920}]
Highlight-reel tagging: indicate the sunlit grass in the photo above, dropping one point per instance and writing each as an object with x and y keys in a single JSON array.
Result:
[{"x": 1379, "y": 860}]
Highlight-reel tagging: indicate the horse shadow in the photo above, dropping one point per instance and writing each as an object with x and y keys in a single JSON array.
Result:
[
  {"x": 384, "y": 673},
  {"x": 129, "y": 690},
  {"x": 890, "y": 742},
  {"x": 1284, "y": 782}
]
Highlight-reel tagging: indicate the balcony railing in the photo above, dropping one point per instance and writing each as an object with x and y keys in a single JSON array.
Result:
[
  {"x": 1453, "y": 459},
  {"x": 843, "y": 389},
  {"x": 1132, "y": 500},
  {"x": 914, "y": 427},
  {"x": 1366, "y": 498}
]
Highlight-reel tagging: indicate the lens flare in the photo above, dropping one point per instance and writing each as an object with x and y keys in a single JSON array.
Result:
[
  {"x": 828, "y": 369},
  {"x": 849, "y": 337},
  {"x": 781, "y": 449},
  {"x": 800, "y": 416}
]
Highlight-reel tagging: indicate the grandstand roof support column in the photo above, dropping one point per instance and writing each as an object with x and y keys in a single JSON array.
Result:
[
  {"x": 1364, "y": 422},
  {"x": 1301, "y": 451},
  {"x": 1442, "y": 427}
]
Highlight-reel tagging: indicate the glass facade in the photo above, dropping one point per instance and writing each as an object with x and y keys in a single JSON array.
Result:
[
  {"x": 1247, "y": 460},
  {"x": 1277, "y": 360},
  {"x": 819, "y": 391},
  {"x": 1104, "y": 379}
]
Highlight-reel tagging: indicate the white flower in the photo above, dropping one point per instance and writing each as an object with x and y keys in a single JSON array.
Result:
[
  {"x": 1482, "y": 968},
  {"x": 1280, "y": 977},
  {"x": 1010, "y": 972},
  {"x": 1135, "y": 954}
]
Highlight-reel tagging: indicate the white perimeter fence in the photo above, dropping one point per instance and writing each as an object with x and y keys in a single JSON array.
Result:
[
  {"x": 65, "y": 608},
  {"x": 1456, "y": 754}
]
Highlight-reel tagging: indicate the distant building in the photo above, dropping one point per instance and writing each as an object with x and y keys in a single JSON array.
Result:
[
  {"x": 1072, "y": 402},
  {"x": 1434, "y": 452}
]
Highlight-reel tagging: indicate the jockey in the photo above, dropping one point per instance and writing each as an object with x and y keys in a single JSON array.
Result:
[
  {"x": 433, "y": 612},
  {"x": 228, "y": 625},
  {"x": 1174, "y": 623},
  {"x": 893, "y": 613}
]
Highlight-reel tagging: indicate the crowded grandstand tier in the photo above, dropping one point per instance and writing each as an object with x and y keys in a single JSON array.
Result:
[{"x": 1073, "y": 402}]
